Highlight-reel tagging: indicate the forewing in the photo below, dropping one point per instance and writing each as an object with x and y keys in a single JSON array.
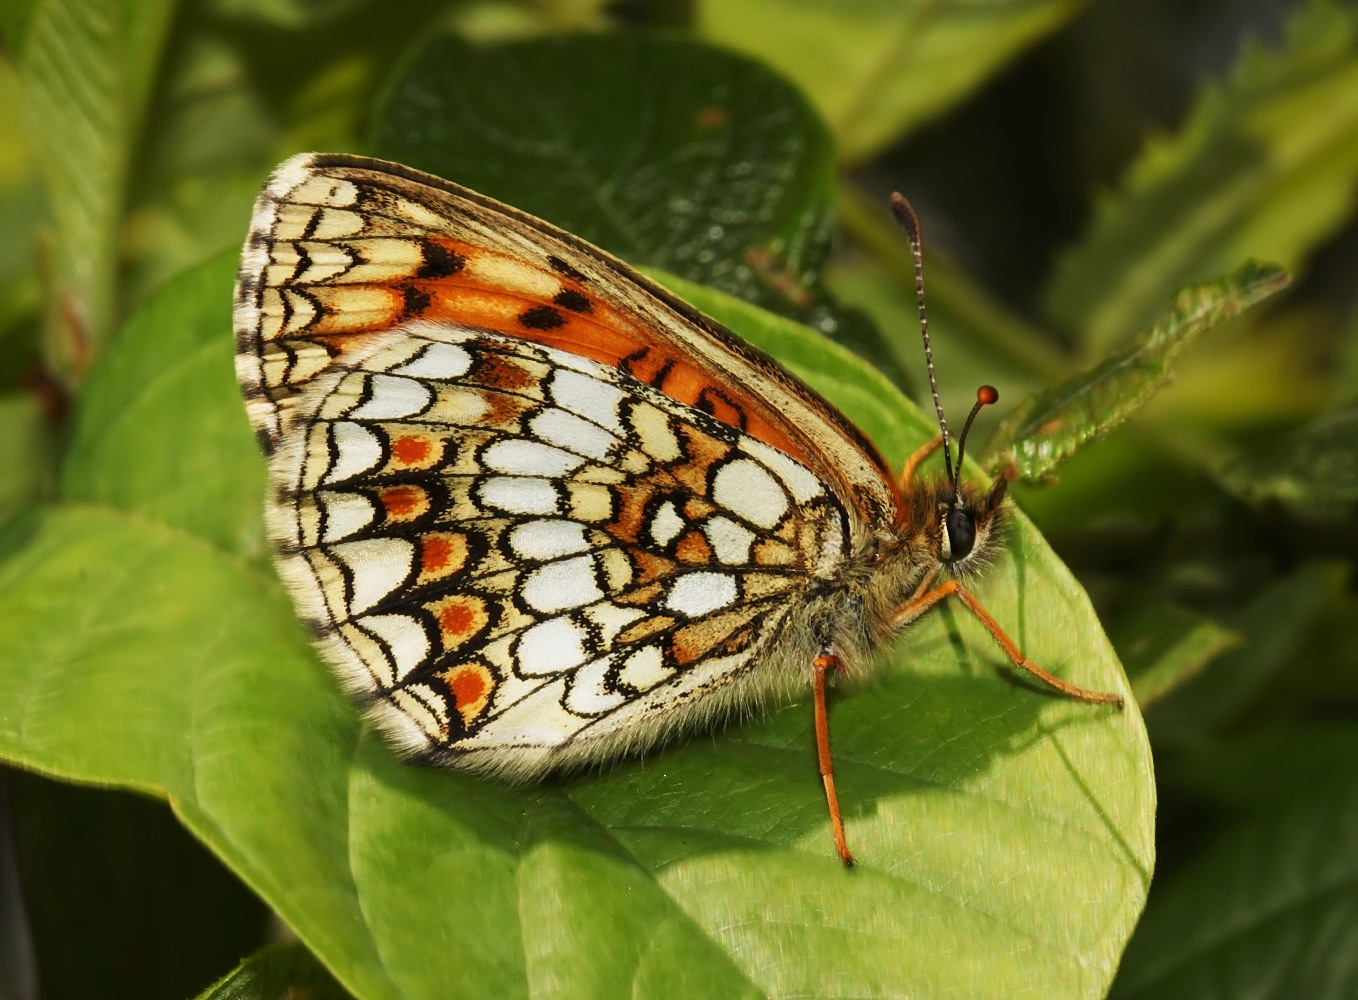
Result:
[{"x": 343, "y": 249}]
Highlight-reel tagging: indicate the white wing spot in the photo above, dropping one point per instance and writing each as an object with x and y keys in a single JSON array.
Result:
[
  {"x": 357, "y": 450},
  {"x": 345, "y": 514},
  {"x": 612, "y": 619},
  {"x": 644, "y": 669},
  {"x": 561, "y": 585},
  {"x": 536, "y": 720},
  {"x": 391, "y": 397},
  {"x": 730, "y": 541},
  {"x": 443, "y": 361},
  {"x": 587, "y": 694},
  {"x": 552, "y": 646},
  {"x": 403, "y": 637},
  {"x": 698, "y": 594},
  {"x": 746, "y": 488},
  {"x": 654, "y": 433},
  {"x": 799, "y": 480},
  {"x": 517, "y": 457},
  {"x": 566, "y": 430},
  {"x": 540, "y": 540},
  {"x": 590, "y": 398},
  {"x": 666, "y": 524},
  {"x": 378, "y": 566},
  {"x": 519, "y": 495}
]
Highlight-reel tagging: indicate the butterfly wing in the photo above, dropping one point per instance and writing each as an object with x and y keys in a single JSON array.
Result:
[{"x": 516, "y": 489}]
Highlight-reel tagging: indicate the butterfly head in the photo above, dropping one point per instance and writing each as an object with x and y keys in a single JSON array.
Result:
[{"x": 965, "y": 515}]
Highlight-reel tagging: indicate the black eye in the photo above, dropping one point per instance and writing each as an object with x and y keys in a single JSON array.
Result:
[{"x": 961, "y": 531}]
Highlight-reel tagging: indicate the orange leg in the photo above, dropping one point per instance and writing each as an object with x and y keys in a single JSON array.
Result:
[
  {"x": 921, "y": 603},
  {"x": 916, "y": 457},
  {"x": 823, "y": 665}
]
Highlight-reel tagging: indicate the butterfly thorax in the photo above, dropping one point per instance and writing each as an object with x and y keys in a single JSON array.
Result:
[{"x": 857, "y": 609}]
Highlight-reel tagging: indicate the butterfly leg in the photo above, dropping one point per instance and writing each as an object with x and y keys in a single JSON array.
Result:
[
  {"x": 916, "y": 457},
  {"x": 921, "y": 603},
  {"x": 823, "y": 664}
]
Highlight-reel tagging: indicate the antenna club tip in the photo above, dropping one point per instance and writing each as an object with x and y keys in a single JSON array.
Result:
[{"x": 987, "y": 394}]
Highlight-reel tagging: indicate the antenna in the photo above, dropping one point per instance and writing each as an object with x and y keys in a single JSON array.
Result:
[
  {"x": 985, "y": 395},
  {"x": 909, "y": 222}
]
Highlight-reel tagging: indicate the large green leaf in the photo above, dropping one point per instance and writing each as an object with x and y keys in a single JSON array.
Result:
[
  {"x": 1004, "y": 836},
  {"x": 1265, "y": 167},
  {"x": 875, "y": 68},
  {"x": 87, "y": 68}
]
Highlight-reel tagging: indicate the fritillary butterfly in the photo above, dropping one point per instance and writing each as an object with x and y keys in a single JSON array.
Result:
[{"x": 541, "y": 513}]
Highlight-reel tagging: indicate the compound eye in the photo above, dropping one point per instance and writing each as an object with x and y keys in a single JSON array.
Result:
[{"x": 961, "y": 531}]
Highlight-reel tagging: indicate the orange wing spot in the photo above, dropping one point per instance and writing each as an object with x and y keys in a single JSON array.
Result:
[
  {"x": 497, "y": 372},
  {"x": 693, "y": 548},
  {"x": 471, "y": 685},
  {"x": 630, "y": 520},
  {"x": 696, "y": 509},
  {"x": 415, "y": 450},
  {"x": 647, "y": 566},
  {"x": 702, "y": 452},
  {"x": 642, "y": 596},
  {"x": 441, "y": 555},
  {"x": 404, "y": 503},
  {"x": 461, "y": 617},
  {"x": 602, "y": 334},
  {"x": 644, "y": 629},
  {"x": 697, "y": 640}
]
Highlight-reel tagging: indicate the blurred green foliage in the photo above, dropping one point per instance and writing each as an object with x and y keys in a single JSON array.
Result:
[{"x": 1076, "y": 167}]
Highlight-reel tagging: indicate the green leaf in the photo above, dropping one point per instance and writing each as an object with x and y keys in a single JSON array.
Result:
[
  {"x": 1267, "y": 910},
  {"x": 876, "y": 68},
  {"x": 1164, "y": 644},
  {"x": 1317, "y": 464},
  {"x": 136, "y": 652},
  {"x": 662, "y": 151},
  {"x": 279, "y": 972},
  {"x": 1264, "y": 167},
  {"x": 112, "y": 878},
  {"x": 1049, "y": 427},
  {"x": 87, "y": 68}
]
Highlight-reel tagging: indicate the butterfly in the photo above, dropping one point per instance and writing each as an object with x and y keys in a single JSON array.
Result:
[{"x": 539, "y": 512}]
